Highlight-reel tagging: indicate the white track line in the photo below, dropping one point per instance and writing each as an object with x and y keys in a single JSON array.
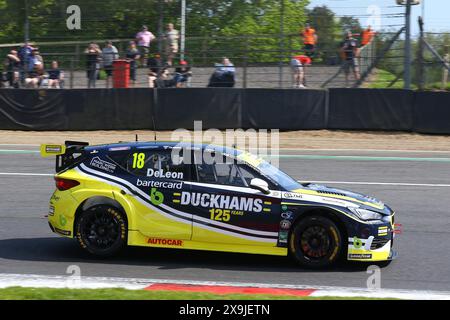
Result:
[
  {"x": 26, "y": 174},
  {"x": 386, "y": 184},
  {"x": 71, "y": 282},
  {"x": 401, "y": 184}
]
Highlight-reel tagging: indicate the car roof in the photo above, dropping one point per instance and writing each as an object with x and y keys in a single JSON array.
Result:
[{"x": 163, "y": 145}]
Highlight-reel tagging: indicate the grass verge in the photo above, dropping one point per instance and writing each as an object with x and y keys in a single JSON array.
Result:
[{"x": 20, "y": 293}]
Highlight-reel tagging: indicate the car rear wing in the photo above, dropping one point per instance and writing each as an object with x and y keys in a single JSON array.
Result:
[{"x": 67, "y": 155}]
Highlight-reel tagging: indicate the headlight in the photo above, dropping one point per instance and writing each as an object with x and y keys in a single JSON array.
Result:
[{"x": 366, "y": 215}]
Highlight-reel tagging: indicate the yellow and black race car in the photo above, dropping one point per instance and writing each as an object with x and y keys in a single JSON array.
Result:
[{"x": 180, "y": 195}]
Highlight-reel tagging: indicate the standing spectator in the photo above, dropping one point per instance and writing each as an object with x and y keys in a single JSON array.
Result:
[
  {"x": 93, "y": 55},
  {"x": 13, "y": 67},
  {"x": 171, "y": 38},
  {"x": 55, "y": 76},
  {"x": 143, "y": 39},
  {"x": 309, "y": 40},
  {"x": 367, "y": 36},
  {"x": 298, "y": 64},
  {"x": 109, "y": 54},
  {"x": 155, "y": 66},
  {"x": 349, "y": 54},
  {"x": 182, "y": 74},
  {"x": 224, "y": 75},
  {"x": 132, "y": 57},
  {"x": 25, "y": 53}
]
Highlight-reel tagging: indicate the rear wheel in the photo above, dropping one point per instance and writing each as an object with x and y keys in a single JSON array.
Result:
[
  {"x": 315, "y": 242},
  {"x": 101, "y": 230}
]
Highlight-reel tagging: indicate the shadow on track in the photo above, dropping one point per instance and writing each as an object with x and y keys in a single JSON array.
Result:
[{"x": 67, "y": 250}]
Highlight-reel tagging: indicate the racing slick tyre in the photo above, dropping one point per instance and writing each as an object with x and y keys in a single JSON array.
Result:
[
  {"x": 101, "y": 230},
  {"x": 315, "y": 242}
]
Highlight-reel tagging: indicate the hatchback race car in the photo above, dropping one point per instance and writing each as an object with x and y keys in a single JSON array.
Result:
[{"x": 203, "y": 197}]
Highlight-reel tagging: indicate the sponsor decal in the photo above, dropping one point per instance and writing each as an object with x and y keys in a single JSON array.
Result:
[
  {"x": 383, "y": 231},
  {"x": 285, "y": 224},
  {"x": 62, "y": 220},
  {"x": 63, "y": 232},
  {"x": 292, "y": 195},
  {"x": 54, "y": 197},
  {"x": 103, "y": 165},
  {"x": 165, "y": 242},
  {"x": 51, "y": 210},
  {"x": 156, "y": 197},
  {"x": 360, "y": 256},
  {"x": 357, "y": 243},
  {"x": 288, "y": 215},
  {"x": 334, "y": 201},
  {"x": 283, "y": 237},
  {"x": 284, "y": 207},
  {"x": 53, "y": 149},
  {"x": 159, "y": 184},
  {"x": 207, "y": 200},
  {"x": 164, "y": 174},
  {"x": 119, "y": 149}
]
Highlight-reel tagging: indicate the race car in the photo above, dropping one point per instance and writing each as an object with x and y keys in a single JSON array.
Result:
[{"x": 203, "y": 197}]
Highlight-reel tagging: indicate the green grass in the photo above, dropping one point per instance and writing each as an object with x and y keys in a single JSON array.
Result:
[
  {"x": 19, "y": 293},
  {"x": 383, "y": 78}
]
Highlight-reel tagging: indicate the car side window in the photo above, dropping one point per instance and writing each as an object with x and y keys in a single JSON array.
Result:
[
  {"x": 157, "y": 164},
  {"x": 249, "y": 173},
  {"x": 224, "y": 172}
]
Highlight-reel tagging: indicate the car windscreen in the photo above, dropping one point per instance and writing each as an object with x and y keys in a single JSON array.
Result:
[{"x": 278, "y": 176}]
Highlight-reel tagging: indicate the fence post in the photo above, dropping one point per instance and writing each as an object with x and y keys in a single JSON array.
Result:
[
  {"x": 71, "y": 72},
  {"x": 244, "y": 80},
  {"x": 445, "y": 71}
]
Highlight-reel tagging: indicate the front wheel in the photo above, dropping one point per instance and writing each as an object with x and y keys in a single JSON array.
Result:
[
  {"x": 101, "y": 230},
  {"x": 315, "y": 242}
]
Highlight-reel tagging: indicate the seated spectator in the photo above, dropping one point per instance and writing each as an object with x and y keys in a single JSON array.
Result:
[
  {"x": 34, "y": 77},
  {"x": 298, "y": 64},
  {"x": 55, "y": 76},
  {"x": 182, "y": 74},
  {"x": 164, "y": 80},
  {"x": 13, "y": 66},
  {"x": 34, "y": 59},
  {"x": 224, "y": 75}
]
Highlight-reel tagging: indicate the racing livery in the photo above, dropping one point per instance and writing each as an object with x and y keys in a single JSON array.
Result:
[{"x": 176, "y": 195}]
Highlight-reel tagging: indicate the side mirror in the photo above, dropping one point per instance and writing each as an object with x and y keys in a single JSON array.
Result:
[{"x": 260, "y": 185}]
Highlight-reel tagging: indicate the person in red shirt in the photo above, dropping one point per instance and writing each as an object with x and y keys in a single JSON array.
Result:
[
  {"x": 309, "y": 40},
  {"x": 298, "y": 64},
  {"x": 367, "y": 36}
]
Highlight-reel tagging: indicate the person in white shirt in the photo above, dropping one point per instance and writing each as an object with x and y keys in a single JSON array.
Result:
[
  {"x": 109, "y": 54},
  {"x": 171, "y": 38}
]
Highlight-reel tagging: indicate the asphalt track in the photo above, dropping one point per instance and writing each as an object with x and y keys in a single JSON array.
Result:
[{"x": 415, "y": 184}]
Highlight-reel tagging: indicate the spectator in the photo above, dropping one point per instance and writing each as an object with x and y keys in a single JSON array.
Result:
[
  {"x": 93, "y": 56},
  {"x": 132, "y": 57},
  {"x": 155, "y": 67},
  {"x": 182, "y": 74},
  {"x": 164, "y": 80},
  {"x": 367, "y": 36},
  {"x": 298, "y": 64},
  {"x": 349, "y": 54},
  {"x": 224, "y": 75},
  {"x": 143, "y": 39},
  {"x": 35, "y": 76},
  {"x": 34, "y": 59},
  {"x": 109, "y": 54},
  {"x": 171, "y": 38},
  {"x": 25, "y": 53},
  {"x": 309, "y": 40},
  {"x": 13, "y": 67},
  {"x": 55, "y": 76}
]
